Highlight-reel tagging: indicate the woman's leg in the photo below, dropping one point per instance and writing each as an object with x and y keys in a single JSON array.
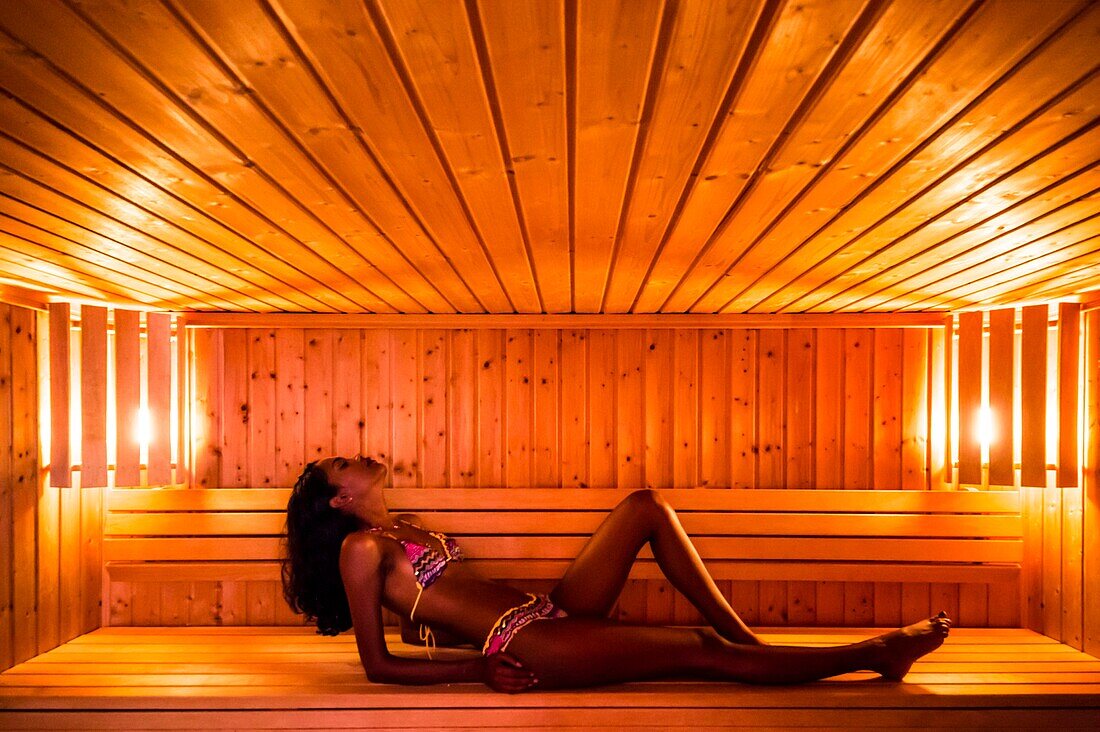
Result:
[
  {"x": 596, "y": 577},
  {"x": 581, "y": 652}
]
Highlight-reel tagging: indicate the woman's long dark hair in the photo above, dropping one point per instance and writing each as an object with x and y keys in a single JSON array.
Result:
[{"x": 311, "y": 560}]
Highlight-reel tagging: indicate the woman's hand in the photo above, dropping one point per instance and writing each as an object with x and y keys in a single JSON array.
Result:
[{"x": 503, "y": 672}]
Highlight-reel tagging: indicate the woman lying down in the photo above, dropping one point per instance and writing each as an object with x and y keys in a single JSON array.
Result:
[{"x": 347, "y": 557}]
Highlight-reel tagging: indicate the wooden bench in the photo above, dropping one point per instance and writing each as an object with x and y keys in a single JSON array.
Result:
[{"x": 798, "y": 535}]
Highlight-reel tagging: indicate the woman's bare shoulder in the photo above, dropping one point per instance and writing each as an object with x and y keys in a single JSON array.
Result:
[{"x": 363, "y": 547}]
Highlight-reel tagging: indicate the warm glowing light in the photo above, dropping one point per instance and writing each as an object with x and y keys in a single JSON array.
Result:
[
  {"x": 143, "y": 428},
  {"x": 986, "y": 432}
]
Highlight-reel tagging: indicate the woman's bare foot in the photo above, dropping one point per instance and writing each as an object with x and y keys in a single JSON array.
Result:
[{"x": 902, "y": 647}]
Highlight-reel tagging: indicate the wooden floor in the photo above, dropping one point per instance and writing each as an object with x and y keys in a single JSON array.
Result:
[{"x": 278, "y": 678}]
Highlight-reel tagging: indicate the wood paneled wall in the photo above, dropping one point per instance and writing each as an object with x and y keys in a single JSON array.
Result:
[
  {"x": 801, "y": 408},
  {"x": 45, "y": 596},
  {"x": 797, "y": 408}
]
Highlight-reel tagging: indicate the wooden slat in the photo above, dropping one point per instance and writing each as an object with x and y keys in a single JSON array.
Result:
[
  {"x": 1001, "y": 396},
  {"x": 949, "y": 385},
  {"x": 970, "y": 396},
  {"x": 60, "y": 395},
  {"x": 1069, "y": 330},
  {"x": 488, "y": 498},
  {"x": 558, "y": 547},
  {"x": 48, "y": 512},
  {"x": 1033, "y": 396},
  {"x": 1090, "y": 523},
  {"x": 584, "y": 523},
  {"x": 93, "y": 396},
  {"x": 823, "y": 573},
  {"x": 159, "y": 396},
  {"x": 127, "y": 396},
  {"x": 7, "y": 499}
]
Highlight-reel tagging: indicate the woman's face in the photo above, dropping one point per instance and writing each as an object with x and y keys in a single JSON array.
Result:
[{"x": 354, "y": 478}]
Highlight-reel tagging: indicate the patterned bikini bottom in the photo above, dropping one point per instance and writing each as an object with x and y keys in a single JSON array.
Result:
[{"x": 538, "y": 607}]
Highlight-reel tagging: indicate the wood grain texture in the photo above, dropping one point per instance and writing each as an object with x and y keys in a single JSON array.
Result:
[{"x": 549, "y": 157}]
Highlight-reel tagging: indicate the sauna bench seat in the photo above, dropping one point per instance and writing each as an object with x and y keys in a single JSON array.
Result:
[
  {"x": 292, "y": 678},
  {"x": 218, "y": 534}
]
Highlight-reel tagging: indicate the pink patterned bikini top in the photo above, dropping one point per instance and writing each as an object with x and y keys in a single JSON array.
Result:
[{"x": 427, "y": 563}]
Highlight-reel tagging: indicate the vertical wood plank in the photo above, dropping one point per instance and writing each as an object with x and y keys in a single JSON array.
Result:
[
  {"x": 938, "y": 410},
  {"x": 377, "y": 395},
  {"x": 660, "y": 602},
  {"x": 1090, "y": 521},
  {"x": 233, "y": 601},
  {"x": 743, "y": 400},
  {"x": 90, "y": 554},
  {"x": 1002, "y": 325},
  {"x": 23, "y": 477},
  {"x": 943, "y": 596},
  {"x": 1033, "y": 396},
  {"x": 235, "y": 410},
  {"x": 406, "y": 408},
  {"x": 289, "y": 405},
  {"x": 260, "y": 603},
  {"x": 914, "y": 602},
  {"x": 887, "y": 409},
  {"x": 433, "y": 407},
  {"x": 1052, "y": 563},
  {"x": 859, "y": 599},
  {"x": 949, "y": 387},
  {"x": 462, "y": 398},
  {"x": 127, "y": 397},
  {"x": 204, "y": 608},
  {"x": 829, "y": 408},
  {"x": 771, "y": 414},
  {"x": 60, "y": 395},
  {"x": 970, "y": 397},
  {"x": 574, "y": 407},
  {"x": 629, "y": 410},
  {"x": 184, "y": 387},
  {"x": 915, "y": 409},
  {"x": 658, "y": 407},
  {"x": 1069, "y": 377},
  {"x": 547, "y": 350},
  {"x": 773, "y": 602},
  {"x": 206, "y": 406},
  {"x": 1031, "y": 570},
  {"x": 317, "y": 387},
  {"x": 519, "y": 410},
  {"x": 262, "y": 416},
  {"x": 93, "y": 396},
  {"x": 70, "y": 557},
  {"x": 175, "y": 603},
  {"x": 49, "y": 508},
  {"x": 1004, "y": 605},
  {"x": 800, "y": 408},
  {"x": 145, "y": 603},
  {"x": 887, "y": 604},
  {"x": 347, "y": 394},
  {"x": 490, "y": 405},
  {"x": 685, "y": 408},
  {"x": 830, "y": 603},
  {"x": 973, "y": 605},
  {"x": 745, "y": 599},
  {"x": 158, "y": 397},
  {"x": 602, "y": 458},
  {"x": 7, "y": 516},
  {"x": 121, "y": 613},
  {"x": 715, "y": 419},
  {"x": 859, "y": 346},
  {"x": 801, "y": 603},
  {"x": 1072, "y": 568}
]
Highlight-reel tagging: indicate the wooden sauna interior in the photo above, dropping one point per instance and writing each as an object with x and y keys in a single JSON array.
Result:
[{"x": 826, "y": 272}]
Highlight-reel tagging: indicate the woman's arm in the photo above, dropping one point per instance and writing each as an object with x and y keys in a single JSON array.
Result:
[{"x": 362, "y": 567}]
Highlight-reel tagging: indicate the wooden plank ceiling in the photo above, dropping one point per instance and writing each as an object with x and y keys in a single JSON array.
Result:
[{"x": 550, "y": 155}]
